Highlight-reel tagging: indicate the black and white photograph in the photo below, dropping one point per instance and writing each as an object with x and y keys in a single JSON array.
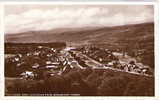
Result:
[{"x": 79, "y": 50}]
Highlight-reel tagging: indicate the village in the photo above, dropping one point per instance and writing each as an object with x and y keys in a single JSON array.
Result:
[{"x": 44, "y": 62}]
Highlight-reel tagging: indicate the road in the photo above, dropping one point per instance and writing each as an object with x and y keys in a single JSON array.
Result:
[{"x": 95, "y": 64}]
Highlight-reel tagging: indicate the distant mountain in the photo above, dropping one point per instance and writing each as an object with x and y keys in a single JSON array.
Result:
[{"x": 105, "y": 35}]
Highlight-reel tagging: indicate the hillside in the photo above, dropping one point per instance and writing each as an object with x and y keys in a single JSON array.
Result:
[
  {"x": 134, "y": 39},
  {"x": 98, "y": 35},
  {"x": 84, "y": 83}
]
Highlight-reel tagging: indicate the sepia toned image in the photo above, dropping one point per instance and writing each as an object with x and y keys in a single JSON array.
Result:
[{"x": 79, "y": 50}]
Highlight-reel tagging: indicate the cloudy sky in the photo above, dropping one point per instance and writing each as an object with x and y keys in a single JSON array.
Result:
[{"x": 21, "y": 18}]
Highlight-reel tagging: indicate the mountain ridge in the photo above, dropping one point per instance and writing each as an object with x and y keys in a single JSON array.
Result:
[{"x": 90, "y": 35}]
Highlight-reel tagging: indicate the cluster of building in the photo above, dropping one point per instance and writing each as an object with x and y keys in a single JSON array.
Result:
[
  {"x": 40, "y": 63},
  {"x": 108, "y": 59},
  {"x": 46, "y": 61}
]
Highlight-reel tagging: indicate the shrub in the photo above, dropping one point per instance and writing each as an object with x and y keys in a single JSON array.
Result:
[
  {"x": 112, "y": 86},
  {"x": 140, "y": 87}
]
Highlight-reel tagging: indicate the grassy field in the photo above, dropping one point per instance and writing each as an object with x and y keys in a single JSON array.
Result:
[{"x": 85, "y": 83}]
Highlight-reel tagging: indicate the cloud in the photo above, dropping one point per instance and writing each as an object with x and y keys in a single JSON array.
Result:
[{"x": 38, "y": 18}]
